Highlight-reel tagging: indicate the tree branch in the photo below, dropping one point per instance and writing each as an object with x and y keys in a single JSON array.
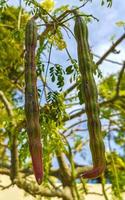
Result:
[
  {"x": 78, "y": 114},
  {"x": 35, "y": 190},
  {"x": 67, "y": 91},
  {"x": 65, "y": 172},
  {"x": 110, "y": 50},
  {"x": 119, "y": 79},
  {"x": 108, "y": 60},
  {"x": 6, "y": 104},
  {"x": 5, "y": 171},
  {"x": 74, "y": 124}
]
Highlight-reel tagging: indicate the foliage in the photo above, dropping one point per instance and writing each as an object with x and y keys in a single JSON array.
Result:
[
  {"x": 62, "y": 118},
  {"x": 11, "y": 60}
]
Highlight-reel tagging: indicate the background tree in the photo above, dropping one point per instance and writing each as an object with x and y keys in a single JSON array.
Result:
[{"x": 62, "y": 113}]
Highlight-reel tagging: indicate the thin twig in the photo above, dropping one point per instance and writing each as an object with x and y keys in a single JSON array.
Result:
[
  {"x": 65, "y": 27},
  {"x": 95, "y": 193},
  {"x": 78, "y": 109},
  {"x": 67, "y": 12},
  {"x": 82, "y": 15},
  {"x": 5, "y": 187},
  {"x": 108, "y": 60},
  {"x": 75, "y": 130},
  {"x": 75, "y": 124},
  {"x": 46, "y": 72},
  {"x": 67, "y": 91}
]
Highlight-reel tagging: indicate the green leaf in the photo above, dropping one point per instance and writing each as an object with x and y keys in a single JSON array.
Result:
[
  {"x": 120, "y": 23},
  {"x": 53, "y": 78},
  {"x": 102, "y": 3},
  {"x": 69, "y": 69},
  {"x": 112, "y": 38},
  {"x": 109, "y": 2}
]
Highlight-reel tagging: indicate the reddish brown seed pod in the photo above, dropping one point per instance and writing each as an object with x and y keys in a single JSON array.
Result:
[
  {"x": 31, "y": 100},
  {"x": 93, "y": 173}
]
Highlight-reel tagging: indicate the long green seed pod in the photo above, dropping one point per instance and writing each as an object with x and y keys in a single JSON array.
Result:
[
  {"x": 90, "y": 94},
  {"x": 31, "y": 100}
]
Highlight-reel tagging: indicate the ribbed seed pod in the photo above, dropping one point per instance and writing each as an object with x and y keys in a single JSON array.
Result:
[
  {"x": 89, "y": 91},
  {"x": 31, "y": 100}
]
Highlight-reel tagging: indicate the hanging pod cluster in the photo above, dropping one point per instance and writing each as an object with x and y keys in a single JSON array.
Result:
[
  {"x": 90, "y": 95},
  {"x": 31, "y": 100},
  {"x": 89, "y": 92}
]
